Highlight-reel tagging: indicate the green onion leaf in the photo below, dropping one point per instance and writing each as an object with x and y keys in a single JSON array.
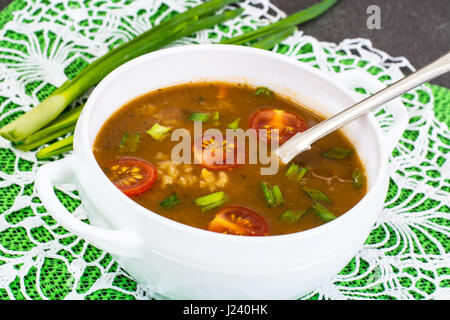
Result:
[
  {"x": 292, "y": 215},
  {"x": 235, "y": 124},
  {"x": 263, "y": 92},
  {"x": 158, "y": 132},
  {"x": 180, "y": 25},
  {"x": 170, "y": 201},
  {"x": 212, "y": 201},
  {"x": 272, "y": 194},
  {"x": 358, "y": 178},
  {"x": 316, "y": 194},
  {"x": 197, "y": 116},
  {"x": 295, "y": 172},
  {"x": 129, "y": 143},
  {"x": 337, "y": 153},
  {"x": 322, "y": 212}
]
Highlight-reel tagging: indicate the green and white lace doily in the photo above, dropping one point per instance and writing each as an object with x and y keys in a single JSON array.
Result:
[{"x": 42, "y": 43}]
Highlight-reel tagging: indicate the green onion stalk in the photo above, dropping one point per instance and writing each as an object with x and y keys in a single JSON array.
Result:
[
  {"x": 270, "y": 41},
  {"x": 292, "y": 20},
  {"x": 25, "y": 129}
]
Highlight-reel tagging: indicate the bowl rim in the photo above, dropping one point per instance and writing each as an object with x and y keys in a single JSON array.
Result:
[{"x": 83, "y": 149}]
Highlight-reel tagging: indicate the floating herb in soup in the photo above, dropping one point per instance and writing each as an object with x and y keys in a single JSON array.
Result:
[{"x": 135, "y": 147}]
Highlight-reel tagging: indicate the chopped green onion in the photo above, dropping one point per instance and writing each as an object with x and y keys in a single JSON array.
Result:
[
  {"x": 316, "y": 194},
  {"x": 158, "y": 132},
  {"x": 277, "y": 195},
  {"x": 178, "y": 26},
  {"x": 129, "y": 143},
  {"x": 263, "y": 92},
  {"x": 215, "y": 118},
  {"x": 337, "y": 153},
  {"x": 322, "y": 212},
  {"x": 122, "y": 142},
  {"x": 134, "y": 141},
  {"x": 235, "y": 124},
  {"x": 170, "y": 201},
  {"x": 292, "y": 215},
  {"x": 272, "y": 194},
  {"x": 212, "y": 201},
  {"x": 197, "y": 116},
  {"x": 56, "y": 148},
  {"x": 294, "y": 172},
  {"x": 62, "y": 125},
  {"x": 37, "y": 143},
  {"x": 358, "y": 178}
]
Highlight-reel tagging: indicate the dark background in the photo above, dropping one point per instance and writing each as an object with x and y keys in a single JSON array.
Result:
[{"x": 416, "y": 29}]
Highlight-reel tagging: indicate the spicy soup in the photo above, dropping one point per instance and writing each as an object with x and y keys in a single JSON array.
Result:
[{"x": 134, "y": 149}]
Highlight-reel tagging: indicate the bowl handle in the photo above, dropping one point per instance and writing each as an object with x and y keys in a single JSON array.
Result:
[
  {"x": 356, "y": 78},
  {"x": 119, "y": 242}
]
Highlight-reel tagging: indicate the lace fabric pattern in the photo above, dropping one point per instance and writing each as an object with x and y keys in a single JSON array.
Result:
[{"x": 44, "y": 43}]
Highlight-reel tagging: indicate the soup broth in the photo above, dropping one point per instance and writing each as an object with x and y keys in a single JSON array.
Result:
[{"x": 315, "y": 187}]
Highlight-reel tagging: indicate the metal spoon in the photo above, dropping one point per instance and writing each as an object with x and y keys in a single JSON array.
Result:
[{"x": 302, "y": 141}]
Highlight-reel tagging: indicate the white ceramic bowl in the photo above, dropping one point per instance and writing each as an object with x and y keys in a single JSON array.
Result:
[{"x": 179, "y": 261}]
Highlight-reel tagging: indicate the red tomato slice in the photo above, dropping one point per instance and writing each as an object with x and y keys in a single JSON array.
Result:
[
  {"x": 288, "y": 123},
  {"x": 240, "y": 221},
  {"x": 207, "y": 154},
  {"x": 132, "y": 175}
]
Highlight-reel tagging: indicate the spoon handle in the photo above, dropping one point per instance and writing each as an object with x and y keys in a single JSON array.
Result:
[{"x": 302, "y": 141}]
